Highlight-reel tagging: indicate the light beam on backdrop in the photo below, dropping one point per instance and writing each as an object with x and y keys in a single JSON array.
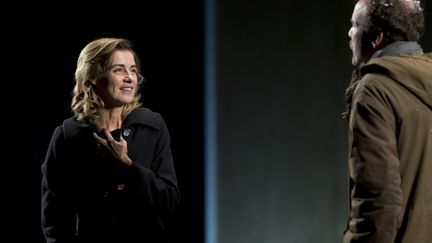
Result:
[{"x": 210, "y": 126}]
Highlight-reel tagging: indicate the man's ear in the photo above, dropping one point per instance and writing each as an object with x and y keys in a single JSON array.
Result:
[{"x": 378, "y": 43}]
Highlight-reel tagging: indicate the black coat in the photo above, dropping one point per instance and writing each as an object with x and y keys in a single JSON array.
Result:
[{"x": 88, "y": 196}]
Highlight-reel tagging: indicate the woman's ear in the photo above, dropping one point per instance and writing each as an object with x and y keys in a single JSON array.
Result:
[{"x": 379, "y": 41}]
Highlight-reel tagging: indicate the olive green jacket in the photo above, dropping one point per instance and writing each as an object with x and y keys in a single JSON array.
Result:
[{"x": 390, "y": 151}]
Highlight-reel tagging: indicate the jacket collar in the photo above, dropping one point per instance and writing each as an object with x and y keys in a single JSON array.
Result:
[{"x": 141, "y": 116}]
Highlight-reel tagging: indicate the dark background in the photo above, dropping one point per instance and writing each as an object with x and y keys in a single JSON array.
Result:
[{"x": 281, "y": 70}]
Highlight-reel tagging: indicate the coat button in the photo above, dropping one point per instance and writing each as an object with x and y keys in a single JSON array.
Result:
[{"x": 126, "y": 132}]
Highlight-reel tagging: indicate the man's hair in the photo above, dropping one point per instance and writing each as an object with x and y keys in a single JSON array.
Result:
[{"x": 399, "y": 20}]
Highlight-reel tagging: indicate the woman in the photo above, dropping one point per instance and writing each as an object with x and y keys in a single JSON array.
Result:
[{"x": 108, "y": 175}]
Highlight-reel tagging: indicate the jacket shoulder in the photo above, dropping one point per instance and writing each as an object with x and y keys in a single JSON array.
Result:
[
  {"x": 146, "y": 117},
  {"x": 72, "y": 127},
  {"x": 428, "y": 55}
]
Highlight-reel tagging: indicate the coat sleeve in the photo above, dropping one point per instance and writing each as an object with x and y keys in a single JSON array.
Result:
[
  {"x": 375, "y": 183},
  {"x": 57, "y": 215},
  {"x": 158, "y": 184}
]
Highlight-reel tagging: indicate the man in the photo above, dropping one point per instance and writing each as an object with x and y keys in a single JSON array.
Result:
[{"x": 389, "y": 109}]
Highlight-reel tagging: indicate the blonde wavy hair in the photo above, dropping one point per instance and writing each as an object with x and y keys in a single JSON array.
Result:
[{"x": 93, "y": 62}]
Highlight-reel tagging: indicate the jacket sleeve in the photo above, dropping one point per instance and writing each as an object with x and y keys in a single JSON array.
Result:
[
  {"x": 57, "y": 215},
  {"x": 158, "y": 184},
  {"x": 375, "y": 183}
]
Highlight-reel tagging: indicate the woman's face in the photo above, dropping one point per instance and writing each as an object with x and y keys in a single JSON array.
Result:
[{"x": 118, "y": 87}]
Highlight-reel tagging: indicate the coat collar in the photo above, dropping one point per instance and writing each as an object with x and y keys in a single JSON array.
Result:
[
  {"x": 143, "y": 116},
  {"x": 140, "y": 116}
]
